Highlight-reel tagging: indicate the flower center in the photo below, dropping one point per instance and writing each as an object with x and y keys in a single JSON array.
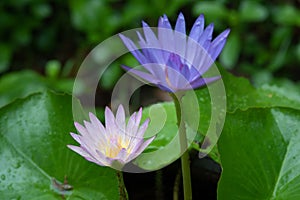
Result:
[
  {"x": 167, "y": 79},
  {"x": 116, "y": 145}
]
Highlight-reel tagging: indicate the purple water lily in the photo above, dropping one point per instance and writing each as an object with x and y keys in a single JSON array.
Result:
[
  {"x": 172, "y": 60},
  {"x": 117, "y": 142}
]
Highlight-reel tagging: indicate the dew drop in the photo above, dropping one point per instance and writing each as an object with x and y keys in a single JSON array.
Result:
[
  {"x": 3, "y": 177},
  {"x": 16, "y": 198},
  {"x": 10, "y": 187},
  {"x": 148, "y": 162},
  {"x": 16, "y": 164}
]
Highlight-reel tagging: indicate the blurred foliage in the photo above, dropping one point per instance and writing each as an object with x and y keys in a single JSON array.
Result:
[
  {"x": 263, "y": 37},
  {"x": 44, "y": 42},
  {"x": 53, "y": 37}
]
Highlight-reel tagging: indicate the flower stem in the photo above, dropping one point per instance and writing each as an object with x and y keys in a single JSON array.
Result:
[
  {"x": 122, "y": 188},
  {"x": 176, "y": 185},
  {"x": 159, "y": 187},
  {"x": 185, "y": 163}
]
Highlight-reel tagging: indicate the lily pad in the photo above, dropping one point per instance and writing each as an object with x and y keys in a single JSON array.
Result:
[
  {"x": 259, "y": 150},
  {"x": 35, "y": 161}
]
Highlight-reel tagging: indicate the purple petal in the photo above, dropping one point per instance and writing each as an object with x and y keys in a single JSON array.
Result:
[
  {"x": 157, "y": 70},
  {"x": 193, "y": 73},
  {"x": 221, "y": 37},
  {"x": 218, "y": 44},
  {"x": 76, "y": 137},
  {"x": 97, "y": 124},
  {"x": 138, "y": 117},
  {"x": 122, "y": 155},
  {"x": 215, "y": 51},
  {"x": 78, "y": 150},
  {"x": 130, "y": 125},
  {"x": 194, "y": 55},
  {"x": 185, "y": 72},
  {"x": 84, "y": 154},
  {"x": 90, "y": 128},
  {"x": 133, "y": 49},
  {"x": 206, "y": 45},
  {"x": 86, "y": 135},
  {"x": 175, "y": 78},
  {"x": 150, "y": 36},
  {"x": 177, "y": 73},
  {"x": 89, "y": 144},
  {"x": 165, "y": 88},
  {"x": 174, "y": 62},
  {"x": 197, "y": 28},
  {"x": 102, "y": 158},
  {"x": 192, "y": 50},
  {"x": 165, "y": 36},
  {"x": 133, "y": 123},
  {"x": 153, "y": 43},
  {"x": 145, "y": 76},
  {"x": 150, "y": 53},
  {"x": 120, "y": 119},
  {"x": 180, "y": 36},
  {"x": 207, "y": 34},
  {"x": 142, "y": 129},
  {"x": 94, "y": 137},
  {"x": 153, "y": 55},
  {"x": 164, "y": 22},
  {"x": 134, "y": 146},
  {"x": 143, "y": 146},
  {"x": 180, "y": 24},
  {"x": 202, "y": 60},
  {"x": 80, "y": 129},
  {"x": 109, "y": 122}
]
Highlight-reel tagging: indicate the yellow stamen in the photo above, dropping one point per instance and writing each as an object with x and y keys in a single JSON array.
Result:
[
  {"x": 113, "y": 151},
  {"x": 167, "y": 78}
]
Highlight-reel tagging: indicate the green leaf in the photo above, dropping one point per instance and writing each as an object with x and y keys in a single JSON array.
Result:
[
  {"x": 211, "y": 9},
  {"x": 23, "y": 83},
  {"x": 166, "y": 147},
  {"x": 19, "y": 85},
  {"x": 111, "y": 76},
  {"x": 242, "y": 95},
  {"x": 5, "y": 57},
  {"x": 34, "y": 158},
  {"x": 251, "y": 11},
  {"x": 231, "y": 51},
  {"x": 52, "y": 68},
  {"x": 280, "y": 57},
  {"x": 259, "y": 151},
  {"x": 287, "y": 15}
]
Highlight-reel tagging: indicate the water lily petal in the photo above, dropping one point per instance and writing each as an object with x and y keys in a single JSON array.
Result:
[{"x": 197, "y": 28}]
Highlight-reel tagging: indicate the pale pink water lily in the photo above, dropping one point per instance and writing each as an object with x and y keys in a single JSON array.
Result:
[{"x": 118, "y": 142}]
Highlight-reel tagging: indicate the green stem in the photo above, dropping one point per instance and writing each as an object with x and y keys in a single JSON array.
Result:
[
  {"x": 159, "y": 187},
  {"x": 185, "y": 163},
  {"x": 176, "y": 185},
  {"x": 122, "y": 188}
]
